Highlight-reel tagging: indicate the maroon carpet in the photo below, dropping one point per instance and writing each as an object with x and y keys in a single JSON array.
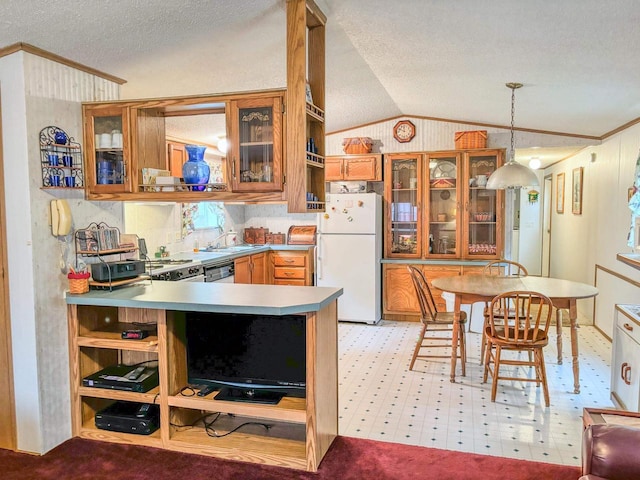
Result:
[{"x": 348, "y": 459}]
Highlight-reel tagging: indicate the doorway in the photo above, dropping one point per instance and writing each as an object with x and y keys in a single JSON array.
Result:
[
  {"x": 7, "y": 407},
  {"x": 547, "y": 194}
]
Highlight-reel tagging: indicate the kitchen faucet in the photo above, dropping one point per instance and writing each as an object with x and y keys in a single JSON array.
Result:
[{"x": 215, "y": 243}]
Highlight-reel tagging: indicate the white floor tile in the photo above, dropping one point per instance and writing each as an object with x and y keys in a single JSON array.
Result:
[{"x": 379, "y": 398}]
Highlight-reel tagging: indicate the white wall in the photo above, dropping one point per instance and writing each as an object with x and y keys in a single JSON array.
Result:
[
  {"x": 580, "y": 242},
  {"x": 37, "y": 93}
]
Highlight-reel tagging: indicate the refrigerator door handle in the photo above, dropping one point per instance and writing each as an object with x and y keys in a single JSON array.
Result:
[{"x": 319, "y": 257}]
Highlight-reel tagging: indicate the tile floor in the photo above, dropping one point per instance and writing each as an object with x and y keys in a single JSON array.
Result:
[{"x": 380, "y": 399}]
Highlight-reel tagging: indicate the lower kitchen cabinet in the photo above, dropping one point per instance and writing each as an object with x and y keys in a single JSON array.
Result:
[
  {"x": 625, "y": 364},
  {"x": 399, "y": 301},
  {"x": 292, "y": 267},
  {"x": 251, "y": 268}
]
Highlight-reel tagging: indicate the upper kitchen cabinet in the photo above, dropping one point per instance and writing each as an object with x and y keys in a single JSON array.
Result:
[
  {"x": 438, "y": 206},
  {"x": 107, "y": 149},
  {"x": 354, "y": 168},
  {"x": 305, "y": 172},
  {"x": 149, "y": 135},
  {"x": 255, "y": 149}
]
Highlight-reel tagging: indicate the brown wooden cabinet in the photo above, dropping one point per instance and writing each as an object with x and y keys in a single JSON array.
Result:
[
  {"x": 437, "y": 206},
  {"x": 176, "y": 156},
  {"x": 118, "y": 173},
  {"x": 251, "y": 268},
  {"x": 305, "y": 106},
  {"x": 354, "y": 168},
  {"x": 292, "y": 267},
  {"x": 107, "y": 155},
  {"x": 399, "y": 298},
  {"x": 255, "y": 149}
]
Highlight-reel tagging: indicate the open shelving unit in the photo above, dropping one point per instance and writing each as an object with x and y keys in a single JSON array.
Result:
[
  {"x": 305, "y": 106},
  {"x": 300, "y": 429}
]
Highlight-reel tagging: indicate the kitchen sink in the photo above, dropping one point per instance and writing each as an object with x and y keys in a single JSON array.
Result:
[{"x": 231, "y": 249}]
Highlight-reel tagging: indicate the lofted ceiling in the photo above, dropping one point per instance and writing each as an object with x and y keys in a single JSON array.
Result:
[{"x": 577, "y": 59}]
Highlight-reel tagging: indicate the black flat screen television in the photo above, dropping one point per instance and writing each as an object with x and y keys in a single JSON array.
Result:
[{"x": 256, "y": 358}]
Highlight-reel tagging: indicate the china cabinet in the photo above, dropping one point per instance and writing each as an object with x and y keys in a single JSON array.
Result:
[
  {"x": 255, "y": 150},
  {"x": 403, "y": 205},
  {"x": 354, "y": 168},
  {"x": 438, "y": 206}
]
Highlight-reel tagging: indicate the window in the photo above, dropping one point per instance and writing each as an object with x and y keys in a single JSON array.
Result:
[{"x": 202, "y": 216}]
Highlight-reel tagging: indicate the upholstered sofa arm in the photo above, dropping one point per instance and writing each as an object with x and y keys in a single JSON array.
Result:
[{"x": 610, "y": 452}]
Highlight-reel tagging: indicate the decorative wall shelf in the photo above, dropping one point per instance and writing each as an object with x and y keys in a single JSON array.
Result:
[{"x": 60, "y": 160}]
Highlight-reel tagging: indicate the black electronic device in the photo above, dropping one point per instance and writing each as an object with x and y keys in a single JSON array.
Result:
[
  {"x": 113, "y": 271},
  {"x": 131, "y": 378},
  {"x": 250, "y": 353},
  {"x": 129, "y": 417}
]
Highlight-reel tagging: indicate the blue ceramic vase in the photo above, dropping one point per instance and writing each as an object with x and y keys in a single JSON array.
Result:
[
  {"x": 60, "y": 138},
  {"x": 195, "y": 170}
]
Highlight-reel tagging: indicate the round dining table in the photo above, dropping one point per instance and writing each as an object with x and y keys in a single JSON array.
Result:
[{"x": 563, "y": 294}]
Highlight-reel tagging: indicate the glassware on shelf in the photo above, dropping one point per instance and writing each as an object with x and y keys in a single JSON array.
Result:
[{"x": 195, "y": 170}]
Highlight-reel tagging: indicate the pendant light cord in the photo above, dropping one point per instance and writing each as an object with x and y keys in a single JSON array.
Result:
[{"x": 513, "y": 86}]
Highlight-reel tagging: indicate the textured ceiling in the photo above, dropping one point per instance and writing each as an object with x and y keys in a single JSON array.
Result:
[{"x": 435, "y": 58}]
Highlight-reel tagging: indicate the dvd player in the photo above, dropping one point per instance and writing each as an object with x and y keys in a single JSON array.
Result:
[
  {"x": 129, "y": 417},
  {"x": 131, "y": 378}
]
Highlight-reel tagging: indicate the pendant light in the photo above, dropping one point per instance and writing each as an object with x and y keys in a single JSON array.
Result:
[{"x": 512, "y": 174}]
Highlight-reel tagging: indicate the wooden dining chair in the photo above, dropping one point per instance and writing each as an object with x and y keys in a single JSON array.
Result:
[
  {"x": 527, "y": 332},
  {"x": 435, "y": 321},
  {"x": 500, "y": 268}
]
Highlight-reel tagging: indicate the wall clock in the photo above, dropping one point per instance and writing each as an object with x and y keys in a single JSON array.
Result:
[{"x": 404, "y": 131}]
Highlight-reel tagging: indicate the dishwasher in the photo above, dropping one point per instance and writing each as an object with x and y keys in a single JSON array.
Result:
[{"x": 222, "y": 272}]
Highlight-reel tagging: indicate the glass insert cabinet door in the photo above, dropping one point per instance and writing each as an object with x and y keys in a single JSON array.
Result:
[
  {"x": 443, "y": 193},
  {"x": 107, "y": 137},
  {"x": 256, "y": 146},
  {"x": 402, "y": 192},
  {"x": 483, "y": 207}
]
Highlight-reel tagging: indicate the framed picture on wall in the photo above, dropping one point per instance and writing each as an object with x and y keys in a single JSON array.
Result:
[
  {"x": 560, "y": 193},
  {"x": 576, "y": 191}
]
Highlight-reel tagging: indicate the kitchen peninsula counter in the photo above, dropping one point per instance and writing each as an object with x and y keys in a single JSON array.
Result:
[
  {"x": 302, "y": 428},
  {"x": 213, "y": 297}
]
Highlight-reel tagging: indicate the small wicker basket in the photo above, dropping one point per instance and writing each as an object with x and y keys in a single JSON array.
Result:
[
  {"x": 78, "y": 282},
  {"x": 356, "y": 145},
  {"x": 470, "y": 139}
]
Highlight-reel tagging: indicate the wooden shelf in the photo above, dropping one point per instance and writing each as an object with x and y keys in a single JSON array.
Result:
[
  {"x": 632, "y": 259},
  {"x": 315, "y": 112},
  {"x": 110, "y": 394},
  {"x": 114, "y": 340},
  {"x": 90, "y": 431},
  {"x": 101, "y": 253},
  {"x": 118, "y": 283},
  {"x": 282, "y": 444},
  {"x": 289, "y": 409}
]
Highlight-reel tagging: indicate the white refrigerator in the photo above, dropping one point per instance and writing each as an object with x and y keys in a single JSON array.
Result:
[{"x": 349, "y": 253}]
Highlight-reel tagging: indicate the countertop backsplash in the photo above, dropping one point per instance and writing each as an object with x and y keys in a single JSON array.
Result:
[{"x": 160, "y": 224}]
